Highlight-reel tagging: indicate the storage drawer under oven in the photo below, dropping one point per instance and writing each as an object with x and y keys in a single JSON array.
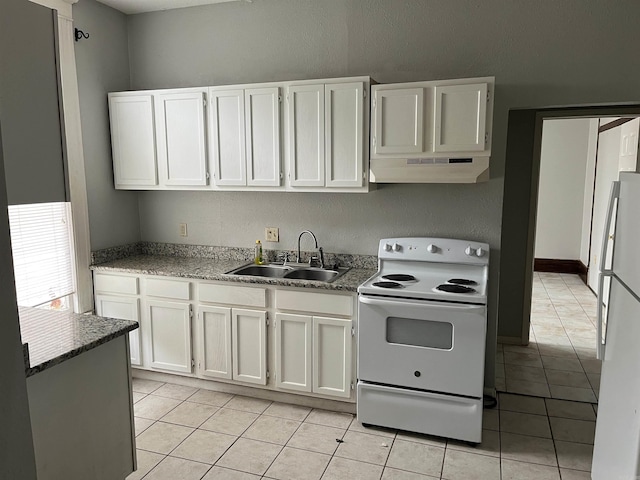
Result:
[{"x": 432, "y": 346}]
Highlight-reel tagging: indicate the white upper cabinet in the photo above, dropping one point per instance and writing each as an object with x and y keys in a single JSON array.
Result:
[
  {"x": 227, "y": 136},
  {"x": 399, "y": 121},
  {"x": 306, "y": 135},
  {"x": 460, "y": 118},
  {"x": 180, "y": 124},
  {"x": 133, "y": 141},
  {"x": 262, "y": 133}
]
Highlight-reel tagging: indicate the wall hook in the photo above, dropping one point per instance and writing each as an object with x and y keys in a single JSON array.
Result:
[{"x": 80, "y": 34}]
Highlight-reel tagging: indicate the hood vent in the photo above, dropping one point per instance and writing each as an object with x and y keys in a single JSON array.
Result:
[{"x": 430, "y": 170}]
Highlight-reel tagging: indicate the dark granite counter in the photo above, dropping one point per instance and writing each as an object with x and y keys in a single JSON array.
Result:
[
  {"x": 214, "y": 269},
  {"x": 54, "y": 336}
]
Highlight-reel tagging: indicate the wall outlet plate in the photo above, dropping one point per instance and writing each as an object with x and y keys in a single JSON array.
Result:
[
  {"x": 271, "y": 234},
  {"x": 182, "y": 228}
]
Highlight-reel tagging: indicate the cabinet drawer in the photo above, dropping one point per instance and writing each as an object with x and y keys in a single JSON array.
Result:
[
  {"x": 167, "y": 288},
  {"x": 234, "y": 295},
  {"x": 325, "y": 303},
  {"x": 115, "y": 284}
]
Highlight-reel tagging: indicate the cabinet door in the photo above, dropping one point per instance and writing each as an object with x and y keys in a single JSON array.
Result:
[
  {"x": 293, "y": 352},
  {"x": 124, "y": 308},
  {"x": 332, "y": 356},
  {"x": 459, "y": 118},
  {"x": 180, "y": 123},
  {"x": 249, "y": 345},
  {"x": 399, "y": 121},
  {"x": 228, "y": 136},
  {"x": 344, "y": 117},
  {"x": 133, "y": 141},
  {"x": 214, "y": 342},
  {"x": 262, "y": 130},
  {"x": 169, "y": 335},
  {"x": 305, "y": 133}
]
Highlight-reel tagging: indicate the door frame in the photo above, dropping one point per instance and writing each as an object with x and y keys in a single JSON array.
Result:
[{"x": 520, "y": 205}]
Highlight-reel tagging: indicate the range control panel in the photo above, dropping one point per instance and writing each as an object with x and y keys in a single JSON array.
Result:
[{"x": 428, "y": 249}]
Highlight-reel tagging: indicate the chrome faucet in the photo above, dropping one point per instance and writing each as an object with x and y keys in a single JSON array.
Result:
[{"x": 299, "y": 237}]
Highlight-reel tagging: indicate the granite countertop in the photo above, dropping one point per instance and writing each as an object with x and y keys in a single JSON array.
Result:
[
  {"x": 55, "y": 336},
  {"x": 214, "y": 269}
]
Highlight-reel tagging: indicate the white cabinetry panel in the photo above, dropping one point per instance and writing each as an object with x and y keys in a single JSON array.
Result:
[
  {"x": 249, "y": 345},
  {"x": 214, "y": 341},
  {"x": 227, "y": 136},
  {"x": 293, "y": 352},
  {"x": 399, "y": 119},
  {"x": 133, "y": 140},
  {"x": 124, "y": 308},
  {"x": 460, "y": 118},
  {"x": 180, "y": 122},
  {"x": 332, "y": 356},
  {"x": 262, "y": 131},
  {"x": 169, "y": 335}
]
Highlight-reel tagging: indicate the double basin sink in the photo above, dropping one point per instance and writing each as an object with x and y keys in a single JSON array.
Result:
[{"x": 291, "y": 272}]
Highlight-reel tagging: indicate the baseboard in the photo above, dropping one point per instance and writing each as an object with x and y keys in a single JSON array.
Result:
[{"x": 552, "y": 265}]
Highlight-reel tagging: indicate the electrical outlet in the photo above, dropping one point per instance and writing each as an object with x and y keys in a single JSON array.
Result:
[
  {"x": 271, "y": 234},
  {"x": 183, "y": 229}
]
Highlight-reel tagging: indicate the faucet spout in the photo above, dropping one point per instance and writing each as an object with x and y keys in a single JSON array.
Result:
[{"x": 300, "y": 237}]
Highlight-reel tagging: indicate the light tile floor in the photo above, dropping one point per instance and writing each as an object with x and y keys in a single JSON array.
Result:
[
  {"x": 188, "y": 434},
  {"x": 560, "y": 360}
]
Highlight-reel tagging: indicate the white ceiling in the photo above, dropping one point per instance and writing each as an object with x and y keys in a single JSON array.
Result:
[{"x": 140, "y": 6}]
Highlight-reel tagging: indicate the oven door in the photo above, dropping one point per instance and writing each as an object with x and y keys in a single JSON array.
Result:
[{"x": 432, "y": 346}]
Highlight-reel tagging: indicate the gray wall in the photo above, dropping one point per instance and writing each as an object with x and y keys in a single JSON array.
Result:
[{"x": 103, "y": 66}]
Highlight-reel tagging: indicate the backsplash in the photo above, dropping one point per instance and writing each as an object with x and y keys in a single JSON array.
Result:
[{"x": 221, "y": 253}]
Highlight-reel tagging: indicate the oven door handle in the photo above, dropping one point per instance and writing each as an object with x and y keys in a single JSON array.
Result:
[{"x": 383, "y": 302}]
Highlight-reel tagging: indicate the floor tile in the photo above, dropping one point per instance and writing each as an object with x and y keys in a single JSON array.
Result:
[
  {"x": 490, "y": 444},
  {"x": 145, "y": 386},
  {"x": 272, "y": 429},
  {"x": 153, "y": 407},
  {"x": 501, "y": 385},
  {"x": 522, "y": 404},
  {"x": 557, "y": 350},
  {"x": 217, "y": 399},
  {"x": 525, "y": 424},
  {"x": 591, "y": 366},
  {"x": 137, "y": 396},
  {"x": 416, "y": 457},
  {"x": 525, "y": 359},
  {"x": 470, "y": 466},
  {"x": 490, "y": 420},
  {"x": 345, "y": 469},
  {"x": 512, "y": 470},
  {"x": 576, "y": 456},
  {"x": 579, "y": 431},
  {"x": 558, "y": 363},
  {"x": 365, "y": 448},
  {"x": 567, "y": 379},
  {"x": 141, "y": 424},
  {"x": 171, "y": 390},
  {"x": 248, "y": 404},
  {"x": 190, "y": 414},
  {"x": 567, "y": 474},
  {"x": 525, "y": 374},
  {"x": 528, "y": 388},
  {"x": 573, "y": 393},
  {"x": 146, "y": 461},
  {"x": 173, "y": 468},
  {"x": 204, "y": 446},
  {"x": 330, "y": 419},
  {"x": 294, "y": 464},
  {"x": 250, "y": 456},
  {"x": 162, "y": 437},
  {"x": 231, "y": 422},
  {"x": 219, "y": 473},
  {"x": 569, "y": 409},
  {"x": 524, "y": 448},
  {"x": 356, "y": 426},
  {"x": 430, "y": 439},
  {"x": 286, "y": 410},
  {"x": 395, "y": 474},
  {"x": 531, "y": 348},
  {"x": 316, "y": 438}
]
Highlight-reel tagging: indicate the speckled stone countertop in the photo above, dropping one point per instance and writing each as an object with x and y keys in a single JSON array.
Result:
[
  {"x": 54, "y": 336},
  {"x": 214, "y": 269}
]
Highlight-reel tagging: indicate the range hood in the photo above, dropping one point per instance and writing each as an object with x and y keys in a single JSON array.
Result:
[{"x": 429, "y": 170}]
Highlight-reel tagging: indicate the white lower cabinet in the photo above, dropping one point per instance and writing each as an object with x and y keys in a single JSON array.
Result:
[
  {"x": 293, "y": 351},
  {"x": 123, "y": 308},
  {"x": 213, "y": 330},
  {"x": 332, "y": 356},
  {"x": 249, "y": 345},
  {"x": 168, "y": 335}
]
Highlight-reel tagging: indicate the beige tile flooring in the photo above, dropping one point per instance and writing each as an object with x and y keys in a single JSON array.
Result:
[
  {"x": 188, "y": 434},
  {"x": 560, "y": 360}
]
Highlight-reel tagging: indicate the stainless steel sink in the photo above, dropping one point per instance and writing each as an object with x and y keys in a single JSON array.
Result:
[{"x": 290, "y": 272}]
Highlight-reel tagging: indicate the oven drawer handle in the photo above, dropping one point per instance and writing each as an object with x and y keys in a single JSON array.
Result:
[{"x": 431, "y": 305}]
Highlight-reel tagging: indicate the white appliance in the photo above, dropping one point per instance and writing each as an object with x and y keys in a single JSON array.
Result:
[
  {"x": 421, "y": 337},
  {"x": 616, "y": 453}
]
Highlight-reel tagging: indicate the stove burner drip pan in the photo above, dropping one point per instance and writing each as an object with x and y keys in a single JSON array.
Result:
[
  {"x": 462, "y": 281},
  {"x": 399, "y": 277},
  {"x": 454, "y": 288},
  {"x": 387, "y": 284}
]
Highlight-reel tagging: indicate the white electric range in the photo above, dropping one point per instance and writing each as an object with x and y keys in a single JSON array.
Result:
[{"x": 421, "y": 337}]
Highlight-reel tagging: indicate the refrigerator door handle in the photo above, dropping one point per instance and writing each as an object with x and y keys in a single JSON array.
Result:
[{"x": 604, "y": 272}]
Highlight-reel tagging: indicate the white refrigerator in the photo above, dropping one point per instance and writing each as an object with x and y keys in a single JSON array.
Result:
[{"x": 616, "y": 454}]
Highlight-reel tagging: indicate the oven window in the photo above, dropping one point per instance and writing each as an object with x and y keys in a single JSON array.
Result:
[{"x": 420, "y": 333}]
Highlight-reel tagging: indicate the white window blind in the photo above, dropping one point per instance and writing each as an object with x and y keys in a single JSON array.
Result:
[{"x": 42, "y": 252}]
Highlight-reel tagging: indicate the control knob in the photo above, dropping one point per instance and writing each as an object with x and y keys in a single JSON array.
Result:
[
  {"x": 480, "y": 252},
  {"x": 432, "y": 248},
  {"x": 387, "y": 247},
  {"x": 470, "y": 251},
  {"x": 396, "y": 247}
]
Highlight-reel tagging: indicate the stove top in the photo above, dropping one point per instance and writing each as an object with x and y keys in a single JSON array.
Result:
[{"x": 430, "y": 269}]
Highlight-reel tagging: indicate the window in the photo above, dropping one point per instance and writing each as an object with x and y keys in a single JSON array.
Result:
[{"x": 41, "y": 242}]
